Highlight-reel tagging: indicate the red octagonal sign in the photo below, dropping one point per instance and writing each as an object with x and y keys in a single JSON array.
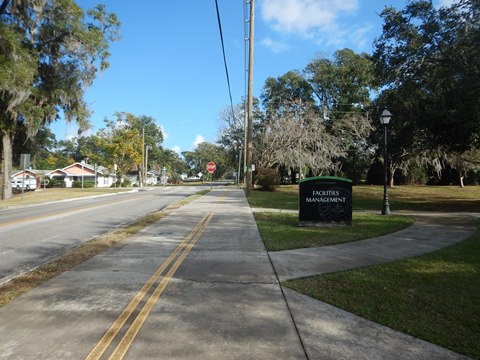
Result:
[{"x": 211, "y": 167}]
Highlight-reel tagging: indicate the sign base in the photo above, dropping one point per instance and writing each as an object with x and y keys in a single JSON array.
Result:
[{"x": 323, "y": 224}]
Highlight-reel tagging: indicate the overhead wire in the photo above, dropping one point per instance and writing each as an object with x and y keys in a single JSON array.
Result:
[{"x": 225, "y": 59}]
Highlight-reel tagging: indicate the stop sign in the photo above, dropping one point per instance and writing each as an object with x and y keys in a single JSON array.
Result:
[{"x": 211, "y": 167}]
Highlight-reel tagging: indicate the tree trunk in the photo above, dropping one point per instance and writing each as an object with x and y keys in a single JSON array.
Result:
[
  {"x": 6, "y": 166},
  {"x": 461, "y": 181},
  {"x": 391, "y": 182}
]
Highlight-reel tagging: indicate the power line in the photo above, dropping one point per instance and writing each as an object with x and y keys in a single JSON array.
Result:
[{"x": 224, "y": 59}]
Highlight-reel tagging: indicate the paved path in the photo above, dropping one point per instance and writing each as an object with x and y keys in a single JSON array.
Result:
[
  {"x": 196, "y": 285},
  {"x": 431, "y": 231},
  {"x": 332, "y": 333}
]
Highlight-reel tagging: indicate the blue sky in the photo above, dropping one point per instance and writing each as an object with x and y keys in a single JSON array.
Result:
[{"x": 169, "y": 65}]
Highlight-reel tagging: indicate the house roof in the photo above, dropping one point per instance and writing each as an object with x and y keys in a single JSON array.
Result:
[
  {"x": 78, "y": 169},
  {"x": 27, "y": 172},
  {"x": 57, "y": 172}
]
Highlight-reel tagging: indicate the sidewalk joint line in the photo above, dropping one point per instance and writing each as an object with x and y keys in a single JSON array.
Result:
[{"x": 288, "y": 308}]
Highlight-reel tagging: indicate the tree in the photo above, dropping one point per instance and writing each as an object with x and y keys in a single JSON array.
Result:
[
  {"x": 57, "y": 49},
  {"x": 124, "y": 140},
  {"x": 232, "y": 131},
  {"x": 39, "y": 147},
  {"x": 205, "y": 152},
  {"x": 341, "y": 85},
  {"x": 287, "y": 93},
  {"x": 153, "y": 139},
  {"x": 406, "y": 140},
  {"x": 303, "y": 142},
  {"x": 173, "y": 163},
  {"x": 430, "y": 57},
  {"x": 309, "y": 136},
  {"x": 467, "y": 161}
]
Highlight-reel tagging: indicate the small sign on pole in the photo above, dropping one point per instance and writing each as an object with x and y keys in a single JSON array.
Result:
[{"x": 24, "y": 161}]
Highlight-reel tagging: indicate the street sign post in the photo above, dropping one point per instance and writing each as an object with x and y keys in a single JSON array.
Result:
[{"x": 211, "y": 167}]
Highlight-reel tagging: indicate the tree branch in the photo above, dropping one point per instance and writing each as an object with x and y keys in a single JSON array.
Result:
[{"x": 3, "y": 7}]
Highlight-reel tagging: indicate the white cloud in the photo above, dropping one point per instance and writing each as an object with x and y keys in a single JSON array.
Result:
[
  {"x": 276, "y": 47},
  {"x": 164, "y": 132},
  {"x": 446, "y": 3},
  {"x": 305, "y": 17},
  {"x": 177, "y": 149},
  {"x": 198, "y": 140},
  {"x": 359, "y": 35},
  {"x": 323, "y": 21}
]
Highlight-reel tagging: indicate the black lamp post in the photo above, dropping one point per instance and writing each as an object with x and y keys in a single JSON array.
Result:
[{"x": 385, "y": 117}]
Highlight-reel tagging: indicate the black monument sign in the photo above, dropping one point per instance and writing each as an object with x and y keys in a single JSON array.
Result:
[{"x": 325, "y": 201}]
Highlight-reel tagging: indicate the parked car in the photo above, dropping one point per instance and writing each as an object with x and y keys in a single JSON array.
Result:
[
  {"x": 192, "y": 178},
  {"x": 26, "y": 184}
]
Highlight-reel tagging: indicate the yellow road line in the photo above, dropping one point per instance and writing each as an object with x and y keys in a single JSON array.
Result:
[
  {"x": 132, "y": 332},
  {"x": 112, "y": 332}
]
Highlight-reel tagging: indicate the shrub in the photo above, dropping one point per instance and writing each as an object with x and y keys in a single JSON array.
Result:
[
  {"x": 126, "y": 182},
  {"x": 174, "y": 179},
  {"x": 268, "y": 179},
  {"x": 55, "y": 183},
  {"x": 86, "y": 183}
]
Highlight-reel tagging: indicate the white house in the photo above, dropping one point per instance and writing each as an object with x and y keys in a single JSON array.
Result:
[
  {"x": 28, "y": 179},
  {"x": 82, "y": 172},
  {"x": 151, "y": 178}
]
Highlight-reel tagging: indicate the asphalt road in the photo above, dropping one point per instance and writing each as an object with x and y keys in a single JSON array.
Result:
[
  {"x": 30, "y": 236},
  {"x": 195, "y": 285}
]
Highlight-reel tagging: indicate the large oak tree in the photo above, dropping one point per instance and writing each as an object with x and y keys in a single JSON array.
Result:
[
  {"x": 51, "y": 50},
  {"x": 429, "y": 58}
]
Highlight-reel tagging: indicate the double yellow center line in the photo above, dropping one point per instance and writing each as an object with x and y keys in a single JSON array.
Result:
[{"x": 179, "y": 254}]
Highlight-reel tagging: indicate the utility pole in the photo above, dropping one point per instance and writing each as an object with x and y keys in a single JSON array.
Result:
[
  {"x": 147, "y": 147},
  {"x": 249, "y": 144},
  {"x": 142, "y": 166}
]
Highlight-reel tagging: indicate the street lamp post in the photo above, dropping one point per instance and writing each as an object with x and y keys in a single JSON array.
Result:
[{"x": 384, "y": 120}]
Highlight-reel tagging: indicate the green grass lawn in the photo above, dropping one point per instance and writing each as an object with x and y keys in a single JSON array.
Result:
[
  {"x": 435, "y": 297},
  {"x": 366, "y": 197},
  {"x": 281, "y": 231}
]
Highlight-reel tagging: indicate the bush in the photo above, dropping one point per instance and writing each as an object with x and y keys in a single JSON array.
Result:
[
  {"x": 126, "y": 182},
  {"x": 174, "y": 179},
  {"x": 86, "y": 184},
  {"x": 55, "y": 183},
  {"x": 268, "y": 179}
]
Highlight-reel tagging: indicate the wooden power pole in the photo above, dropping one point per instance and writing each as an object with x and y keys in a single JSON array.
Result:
[{"x": 249, "y": 144}]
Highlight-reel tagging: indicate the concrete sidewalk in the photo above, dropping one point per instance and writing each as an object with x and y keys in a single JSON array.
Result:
[
  {"x": 331, "y": 333},
  {"x": 430, "y": 232},
  {"x": 222, "y": 301}
]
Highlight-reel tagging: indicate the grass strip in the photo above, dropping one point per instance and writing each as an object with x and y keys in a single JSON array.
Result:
[
  {"x": 435, "y": 297},
  {"x": 370, "y": 197},
  {"x": 14, "y": 288},
  {"x": 280, "y": 231}
]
